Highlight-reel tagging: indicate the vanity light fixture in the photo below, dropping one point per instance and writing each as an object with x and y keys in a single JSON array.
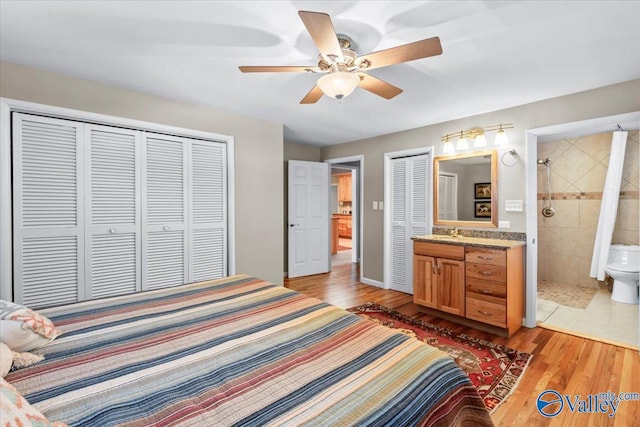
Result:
[
  {"x": 462, "y": 142},
  {"x": 480, "y": 140},
  {"x": 478, "y": 137},
  {"x": 501, "y": 137},
  {"x": 447, "y": 147}
]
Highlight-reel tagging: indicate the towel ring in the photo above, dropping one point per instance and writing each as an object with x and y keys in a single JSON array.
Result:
[{"x": 514, "y": 153}]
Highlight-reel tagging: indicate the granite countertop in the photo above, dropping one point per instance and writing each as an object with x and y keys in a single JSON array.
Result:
[{"x": 469, "y": 241}]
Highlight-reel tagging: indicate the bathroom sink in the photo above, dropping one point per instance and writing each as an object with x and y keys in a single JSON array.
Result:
[{"x": 446, "y": 237}]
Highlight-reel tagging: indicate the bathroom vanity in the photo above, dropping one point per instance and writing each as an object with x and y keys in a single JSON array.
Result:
[{"x": 474, "y": 281}]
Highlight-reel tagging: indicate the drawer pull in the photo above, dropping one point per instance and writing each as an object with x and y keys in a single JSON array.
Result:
[
  {"x": 485, "y": 313},
  {"x": 486, "y": 291},
  {"x": 486, "y": 273},
  {"x": 488, "y": 258}
]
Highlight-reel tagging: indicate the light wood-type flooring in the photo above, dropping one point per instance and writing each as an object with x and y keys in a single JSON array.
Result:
[{"x": 568, "y": 364}]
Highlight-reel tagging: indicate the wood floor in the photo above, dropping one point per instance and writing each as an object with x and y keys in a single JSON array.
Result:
[{"x": 565, "y": 363}]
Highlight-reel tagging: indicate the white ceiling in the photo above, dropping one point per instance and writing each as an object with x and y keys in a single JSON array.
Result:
[{"x": 496, "y": 54}]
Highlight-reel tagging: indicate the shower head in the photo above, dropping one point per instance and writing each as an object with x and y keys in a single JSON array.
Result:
[{"x": 544, "y": 162}]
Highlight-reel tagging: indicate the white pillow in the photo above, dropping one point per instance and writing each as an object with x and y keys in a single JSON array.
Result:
[
  {"x": 16, "y": 411},
  {"x": 6, "y": 359},
  {"x": 22, "y": 329}
]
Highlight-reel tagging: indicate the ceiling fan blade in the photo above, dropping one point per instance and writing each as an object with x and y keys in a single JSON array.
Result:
[
  {"x": 276, "y": 69},
  {"x": 321, "y": 29},
  {"x": 404, "y": 53},
  {"x": 378, "y": 87},
  {"x": 313, "y": 96}
]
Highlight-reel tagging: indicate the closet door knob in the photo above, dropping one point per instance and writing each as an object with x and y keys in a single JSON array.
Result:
[
  {"x": 112, "y": 230},
  {"x": 165, "y": 228}
]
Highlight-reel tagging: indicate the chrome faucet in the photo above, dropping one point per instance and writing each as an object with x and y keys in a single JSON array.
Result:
[{"x": 454, "y": 232}]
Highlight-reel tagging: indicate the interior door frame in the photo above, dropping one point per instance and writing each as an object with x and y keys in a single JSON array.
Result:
[
  {"x": 386, "y": 235},
  {"x": 533, "y": 137},
  {"x": 356, "y": 256},
  {"x": 8, "y": 106}
]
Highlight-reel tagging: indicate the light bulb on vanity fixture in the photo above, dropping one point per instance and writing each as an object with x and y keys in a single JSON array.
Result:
[
  {"x": 480, "y": 140},
  {"x": 447, "y": 146},
  {"x": 462, "y": 142},
  {"x": 501, "y": 137}
]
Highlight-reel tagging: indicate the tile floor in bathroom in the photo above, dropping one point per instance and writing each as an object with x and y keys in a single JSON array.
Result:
[{"x": 602, "y": 318}]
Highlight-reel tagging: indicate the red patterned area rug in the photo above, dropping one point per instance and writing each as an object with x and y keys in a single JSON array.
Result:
[{"x": 493, "y": 369}]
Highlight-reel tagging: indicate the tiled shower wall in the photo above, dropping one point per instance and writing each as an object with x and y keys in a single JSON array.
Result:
[{"x": 578, "y": 171}]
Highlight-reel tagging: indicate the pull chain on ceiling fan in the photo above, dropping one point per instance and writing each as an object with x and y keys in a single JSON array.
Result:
[{"x": 344, "y": 70}]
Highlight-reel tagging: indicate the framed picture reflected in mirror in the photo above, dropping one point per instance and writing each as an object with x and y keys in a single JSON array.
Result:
[
  {"x": 482, "y": 190},
  {"x": 483, "y": 209}
]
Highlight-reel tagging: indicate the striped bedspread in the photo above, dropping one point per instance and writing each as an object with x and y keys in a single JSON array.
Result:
[{"x": 239, "y": 351}]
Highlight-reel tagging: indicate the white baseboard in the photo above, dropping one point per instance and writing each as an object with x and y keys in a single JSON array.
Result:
[{"x": 372, "y": 282}]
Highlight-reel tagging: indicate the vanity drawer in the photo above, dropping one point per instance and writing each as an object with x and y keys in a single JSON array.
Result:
[
  {"x": 440, "y": 250},
  {"x": 489, "y": 272},
  {"x": 486, "y": 256},
  {"x": 485, "y": 287},
  {"x": 488, "y": 312}
]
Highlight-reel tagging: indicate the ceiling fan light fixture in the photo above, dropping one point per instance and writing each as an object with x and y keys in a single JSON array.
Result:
[{"x": 338, "y": 84}]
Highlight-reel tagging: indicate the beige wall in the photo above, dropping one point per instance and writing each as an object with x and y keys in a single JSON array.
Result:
[
  {"x": 601, "y": 102},
  {"x": 258, "y": 151},
  {"x": 578, "y": 171},
  {"x": 294, "y": 151}
]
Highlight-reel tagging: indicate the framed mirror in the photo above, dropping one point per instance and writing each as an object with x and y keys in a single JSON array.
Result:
[{"x": 466, "y": 189}]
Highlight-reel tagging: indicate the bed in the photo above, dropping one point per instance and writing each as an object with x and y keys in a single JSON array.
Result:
[{"x": 239, "y": 351}]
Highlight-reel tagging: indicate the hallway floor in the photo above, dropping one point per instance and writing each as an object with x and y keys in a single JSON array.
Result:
[{"x": 603, "y": 319}]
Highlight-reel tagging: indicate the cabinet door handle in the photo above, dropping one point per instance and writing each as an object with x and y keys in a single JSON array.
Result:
[
  {"x": 486, "y": 291},
  {"x": 486, "y": 273},
  {"x": 488, "y": 258},
  {"x": 485, "y": 313}
]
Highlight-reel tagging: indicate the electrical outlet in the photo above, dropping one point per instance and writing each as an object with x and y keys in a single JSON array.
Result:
[{"x": 504, "y": 224}]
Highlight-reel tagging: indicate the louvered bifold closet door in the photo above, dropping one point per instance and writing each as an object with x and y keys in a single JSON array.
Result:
[
  {"x": 48, "y": 211},
  {"x": 113, "y": 210},
  {"x": 400, "y": 279},
  {"x": 164, "y": 211},
  {"x": 410, "y": 215},
  {"x": 208, "y": 213},
  {"x": 420, "y": 202}
]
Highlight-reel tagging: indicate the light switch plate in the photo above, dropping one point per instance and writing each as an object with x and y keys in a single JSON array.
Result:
[
  {"x": 375, "y": 205},
  {"x": 380, "y": 205},
  {"x": 513, "y": 205},
  {"x": 504, "y": 224}
]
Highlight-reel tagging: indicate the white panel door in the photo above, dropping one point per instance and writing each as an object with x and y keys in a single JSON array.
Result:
[
  {"x": 410, "y": 210},
  {"x": 448, "y": 196},
  {"x": 48, "y": 211},
  {"x": 208, "y": 211},
  {"x": 308, "y": 217},
  {"x": 113, "y": 242},
  {"x": 164, "y": 211}
]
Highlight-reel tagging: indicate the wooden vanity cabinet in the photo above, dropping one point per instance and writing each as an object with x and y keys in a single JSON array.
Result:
[
  {"x": 494, "y": 286},
  {"x": 438, "y": 277},
  {"x": 481, "y": 284}
]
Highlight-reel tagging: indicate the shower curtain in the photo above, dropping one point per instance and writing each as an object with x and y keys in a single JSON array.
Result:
[{"x": 609, "y": 205}]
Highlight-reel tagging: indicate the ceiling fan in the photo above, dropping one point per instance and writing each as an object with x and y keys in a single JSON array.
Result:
[{"x": 343, "y": 69}]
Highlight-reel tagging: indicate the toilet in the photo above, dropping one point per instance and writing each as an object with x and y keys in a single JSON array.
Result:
[{"x": 623, "y": 266}]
